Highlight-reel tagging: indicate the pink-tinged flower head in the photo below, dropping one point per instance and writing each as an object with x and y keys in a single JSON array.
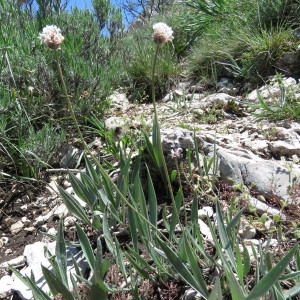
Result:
[
  {"x": 51, "y": 36},
  {"x": 162, "y": 33}
]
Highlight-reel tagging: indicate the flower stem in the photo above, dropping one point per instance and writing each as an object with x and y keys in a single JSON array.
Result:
[
  {"x": 157, "y": 136},
  {"x": 95, "y": 160}
]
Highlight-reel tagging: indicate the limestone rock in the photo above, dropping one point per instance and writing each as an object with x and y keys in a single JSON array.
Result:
[
  {"x": 119, "y": 101},
  {"x": 6, "y": 283},
  {"x": 16, "y": 227},
  {"x": 270, "y": 178}
]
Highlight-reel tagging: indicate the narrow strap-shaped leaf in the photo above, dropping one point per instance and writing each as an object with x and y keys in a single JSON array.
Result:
[
  {"x": 82, "y": 191},
  {"x": 268, "y": 280},
  {"x": 73, "y": 206},
  {"x": 239, "y": 263},
  {"x": 216, "y": 292},
  {"x": 107, "y": 236},
  {"x": 120, "y": 260},
  {"x": 86, "y": 247},
  {"x": 38, "y": 294},
  {"x": 290, "y": 275},
  {"x": 237, "y": 291},
  {"x": 75, "y": 287},
  {"x": 192, "y": 259},
  {"x": 133, "y": 228},
  {"x": 246, "y": 261},
  {"x": 180, "y": 267},
  {"x": 141, "y": 261},
  {"x": 92, "y": 192},
  {"x": 233, "y": 222},
  {"x": 176, "y": 212},
  {"x": 138, "y": 267},
  {"x": 262, "y": 103},
  {"x": 152, "y": 200},
  {"x": 55, "y": 285},
  {"x": 194, "y": 209},
  {"x": 61, "y": 254},
  {"x": 295, "y": 290},
  {"x": 92, "y": 172},
  {"x": 224, "y": 236}
]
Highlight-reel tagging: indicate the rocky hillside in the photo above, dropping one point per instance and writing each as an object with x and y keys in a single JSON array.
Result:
[{"x": 256, "y": 163}]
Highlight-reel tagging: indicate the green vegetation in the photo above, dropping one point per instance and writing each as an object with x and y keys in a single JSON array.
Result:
[{"x": 48, "y": 97}]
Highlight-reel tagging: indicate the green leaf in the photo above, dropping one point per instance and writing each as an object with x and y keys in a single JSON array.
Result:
[
  {"x": 239, "y": 263},
  {"x": 138, "y": 266},
  {"x": 133, "y": 228},
  {"x": 152, "y": 200},
  {"x": 138, "y": 195},
  {"x": 61, "y": 254},
  {"x": 289, "y": 276},
  {"x": 216, "y": 293},
  {"x": 246, "y": 261},
  {"x": 75, "y": 286},
  {"x": 120, "y": 260},
  {"x": 92, "y": 172},
  {"x": 82, "y": 191},
  {"x": 262, "y": 103},
  {"x": 181, "y": 268},
  {"x": 262, "y": 287},
  {"x": 234, "y": 221},
  {"x": 175, "y": 212},
  {"x": 194, "y": 209},
  {"x": 193, "y": 261},
  {"x": 107, "y": 236},
  {"x": 173, "y": 175},
  {"x": 123, "y": 180},
  {"x": 98, "y": 291},
  {"x": 56, "y": 285},
  {"x": 237, "y": 291},
  {"x": 73, "y": 206},
  {"x": 86, "y": 247},
  {"x": 38, "y": 294},
  {"x": 295, "y": 290},
  {"x": 224, "y": 236}
]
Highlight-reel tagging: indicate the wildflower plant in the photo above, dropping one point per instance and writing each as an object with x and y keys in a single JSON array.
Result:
[{"x": 111, "y": 207}]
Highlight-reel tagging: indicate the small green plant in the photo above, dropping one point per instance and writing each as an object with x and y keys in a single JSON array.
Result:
[
  {"x": 285, "y": 106},
  {"x": 209, "y": 116}
]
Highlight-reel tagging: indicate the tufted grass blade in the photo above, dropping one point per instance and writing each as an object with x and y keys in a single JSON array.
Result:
[{"x": 262, "y": 287}]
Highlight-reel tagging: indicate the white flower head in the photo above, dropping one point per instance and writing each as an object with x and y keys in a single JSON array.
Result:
[
  {"x": 51, "y": 36},
  {"x": 162, "y": 33}
]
